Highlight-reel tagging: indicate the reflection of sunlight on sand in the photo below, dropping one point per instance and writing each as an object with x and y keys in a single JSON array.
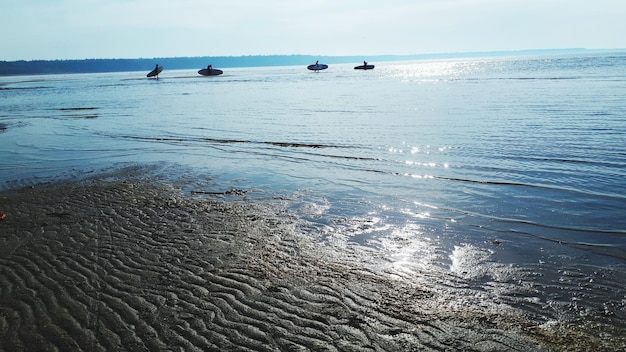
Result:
[
  {"x": 469, "y": 262},
  {"x": 409, "y": 250},
  {"x": 472, "y": 263},
  {"x": 314, "y": 209},
  {"x": 355, "y": 229}
]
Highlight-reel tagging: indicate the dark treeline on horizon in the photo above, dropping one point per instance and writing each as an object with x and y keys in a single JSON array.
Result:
[{"x": 35, "y": 67}]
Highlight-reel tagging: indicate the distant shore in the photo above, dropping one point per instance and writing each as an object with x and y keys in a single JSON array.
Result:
[{"x": 39, "y": 67}]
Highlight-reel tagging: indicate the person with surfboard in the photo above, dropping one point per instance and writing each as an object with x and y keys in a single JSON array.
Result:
[
  {"x": 365, "y": 66},
  {"x": 156, "y": 71},
  {"x": 317, "y": 66},
  {"x": 210, "y": 71}
]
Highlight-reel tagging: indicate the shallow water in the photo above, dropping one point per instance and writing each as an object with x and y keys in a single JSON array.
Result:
[{"x": 506, "y": 174}]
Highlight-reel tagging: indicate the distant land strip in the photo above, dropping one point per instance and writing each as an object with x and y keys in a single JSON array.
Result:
[{"x": 37, "y": 67}]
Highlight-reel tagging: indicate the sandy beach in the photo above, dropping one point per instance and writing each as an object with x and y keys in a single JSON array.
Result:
[{"x": 136, "y": 266}]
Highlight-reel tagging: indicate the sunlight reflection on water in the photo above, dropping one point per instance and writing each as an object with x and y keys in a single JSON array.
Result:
[
  {"x": 435, "y": 70},
  {"x": 409, "y": 249}
]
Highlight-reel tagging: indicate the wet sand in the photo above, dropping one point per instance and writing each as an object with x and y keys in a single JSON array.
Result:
[{"x": 108, "y": 266}]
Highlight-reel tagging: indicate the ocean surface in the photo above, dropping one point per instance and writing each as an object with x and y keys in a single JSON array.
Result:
[{"x": 507, "y": 172}]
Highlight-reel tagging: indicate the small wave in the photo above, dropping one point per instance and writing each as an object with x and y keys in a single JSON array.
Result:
[
  {"x": 534, "y": 224},
  {"x": 235, "y": 141},
  {"x": 486, "y": 182},
  {"x": 605, "y": 162},
  {"x": 5, "y": 126},
  {"x": 77, "y": 108},
  {"x": 519, "y": 184},
  {"x": 24, "y": 88},
  {"x": 296, "y": 145},
  {"x": 516, "y": 78},
  {"x": 79, "y": 116}
]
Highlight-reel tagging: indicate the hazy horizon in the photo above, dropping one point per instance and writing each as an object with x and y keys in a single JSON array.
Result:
[
  {"x": 75, "y": 30},
  {"x": 417, "y": 55}
]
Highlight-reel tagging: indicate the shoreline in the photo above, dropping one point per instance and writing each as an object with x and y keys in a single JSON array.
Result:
[{"x": 134, "y": 265}]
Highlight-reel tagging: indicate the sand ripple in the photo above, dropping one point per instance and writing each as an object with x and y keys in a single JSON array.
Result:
[{"x": 134, "y": 266}]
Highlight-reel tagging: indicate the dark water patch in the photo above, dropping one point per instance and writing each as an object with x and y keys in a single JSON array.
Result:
[
  {"x": 568, "y": 231},
  {"x": 78, "y": 112},
  {"x": 23, "y": 88},
  {"x": 77, "y": 108},
  {"x": 235, "y": 141},
  {"x": 344, "y": 157},
  {"x": 467, "y": 180},
  {"x": 539, "y": 186},
  {"x": 615, "y": 251},
  {"x": 9, "y": 85},
  {"x": 557, "y": 160},
  {"x": 485, "y": 182},
  {"x": 81, "y": 116},
  {"x": 295, "y": 145},
  {"x": 602, "y": 113}
]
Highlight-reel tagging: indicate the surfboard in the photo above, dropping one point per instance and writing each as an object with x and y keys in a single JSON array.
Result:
[
  {"x": 211, "y": 72},
  {"x": 155, "y": 72},
  {"x": 317, "y": 67},
  {"x": 364, "y": 67}
]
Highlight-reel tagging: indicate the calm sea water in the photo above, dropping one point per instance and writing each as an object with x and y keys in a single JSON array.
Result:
[{"x": 507, "y": 170}]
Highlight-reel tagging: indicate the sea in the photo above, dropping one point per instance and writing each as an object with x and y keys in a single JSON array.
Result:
[{"x": 507, "y": 172}]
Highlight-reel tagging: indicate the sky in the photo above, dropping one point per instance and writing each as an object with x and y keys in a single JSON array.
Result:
[{"x": 79, "y": 29}]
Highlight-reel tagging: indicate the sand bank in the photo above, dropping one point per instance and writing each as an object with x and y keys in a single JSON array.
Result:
[{"x": 136, "y": 266}]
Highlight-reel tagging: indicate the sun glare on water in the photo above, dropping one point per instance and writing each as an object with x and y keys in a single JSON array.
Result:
[{"x": 428, "y": 71}]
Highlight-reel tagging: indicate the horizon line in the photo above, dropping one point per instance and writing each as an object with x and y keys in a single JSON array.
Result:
[{"x": 441, "y": 54}]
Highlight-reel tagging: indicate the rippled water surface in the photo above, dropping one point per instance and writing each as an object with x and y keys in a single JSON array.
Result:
[{"x": 507, "y": 174}]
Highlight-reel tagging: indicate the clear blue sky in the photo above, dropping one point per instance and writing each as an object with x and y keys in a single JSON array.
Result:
[{"x": 77, "y": 29}]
